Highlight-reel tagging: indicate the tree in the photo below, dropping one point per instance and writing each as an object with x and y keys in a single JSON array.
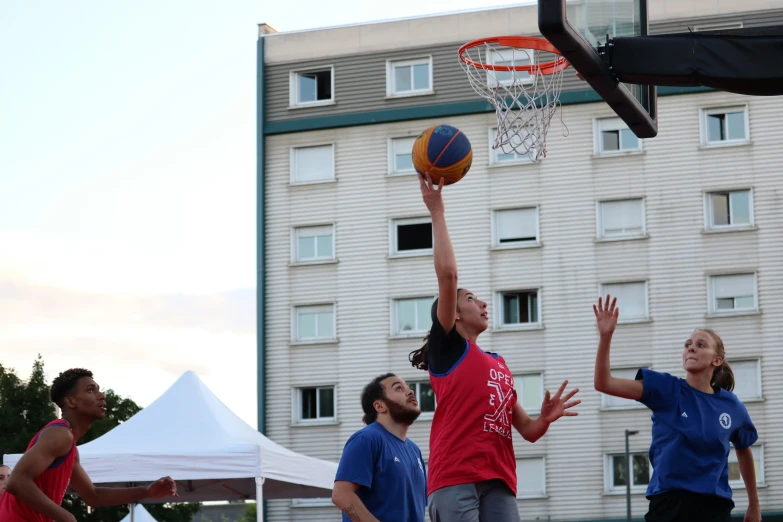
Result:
[
  {"x": 249, "y": 515},
  {"x": 26, "y": 407}
]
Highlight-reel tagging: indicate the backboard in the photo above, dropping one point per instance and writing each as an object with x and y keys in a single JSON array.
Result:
[{"x": 580, "y": 30}]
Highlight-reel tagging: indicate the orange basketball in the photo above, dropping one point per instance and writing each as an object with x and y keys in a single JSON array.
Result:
[{"x": 443, "y": 151}]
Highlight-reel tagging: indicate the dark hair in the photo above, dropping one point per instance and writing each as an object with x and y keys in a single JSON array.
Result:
[
  {"x": 371, "y": 393},
  {"x": 419, "y": 358},
  {"x": 722, "y": 376},
  {"x": 64, "y": 384}
]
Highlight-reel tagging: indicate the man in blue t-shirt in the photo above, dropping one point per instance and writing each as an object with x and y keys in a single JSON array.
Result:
[{"x": 381, "y": 476}]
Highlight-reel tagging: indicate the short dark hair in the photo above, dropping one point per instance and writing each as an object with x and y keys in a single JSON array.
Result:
[
  {"x": 65, "y": 383},
  {"x": 371, "y": 393}
]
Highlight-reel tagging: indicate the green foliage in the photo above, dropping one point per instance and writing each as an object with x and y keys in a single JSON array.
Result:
[
  {"x": 26, "y": 407},
  {"x": 249, "y": 515}
]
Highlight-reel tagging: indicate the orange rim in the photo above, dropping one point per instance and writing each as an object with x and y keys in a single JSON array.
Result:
[{"x": 518, "y": 42}]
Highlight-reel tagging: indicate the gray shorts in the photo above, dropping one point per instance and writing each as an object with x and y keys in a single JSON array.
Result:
[{"x": 488, "y": 501}]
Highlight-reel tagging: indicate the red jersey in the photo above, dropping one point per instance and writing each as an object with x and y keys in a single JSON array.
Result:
[
  {"x": 53, "y": 482},
  {"x": 470, "y": 440}
]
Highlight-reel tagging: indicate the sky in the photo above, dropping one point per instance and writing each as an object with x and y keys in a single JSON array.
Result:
[{"x": 127, "y": 185}]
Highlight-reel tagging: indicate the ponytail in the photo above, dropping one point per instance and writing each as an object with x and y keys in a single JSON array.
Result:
[
  {"x": 723, "y": 377},
  {"x": 420, "y": 358}
]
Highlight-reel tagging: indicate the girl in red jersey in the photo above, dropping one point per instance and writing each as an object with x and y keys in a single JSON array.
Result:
[
  {"x": 40, "y": 478},
  {"x": 472, "y": 466}
]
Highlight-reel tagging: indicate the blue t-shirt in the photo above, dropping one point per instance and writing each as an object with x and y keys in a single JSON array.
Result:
[
  {"x": 390, "y": 473},
  {"x": 691, "y": 433}
]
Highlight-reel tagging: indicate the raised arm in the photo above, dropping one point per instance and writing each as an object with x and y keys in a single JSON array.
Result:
[
  {"x": 606, "y": 318},
  {"x": 344, "y": 497},
  {"x": 52, "y": 443},
  {"x": 443, "y": 252}
]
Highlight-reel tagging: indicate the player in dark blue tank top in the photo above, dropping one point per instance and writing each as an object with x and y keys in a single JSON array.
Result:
[{"x": 695, "y": 420}]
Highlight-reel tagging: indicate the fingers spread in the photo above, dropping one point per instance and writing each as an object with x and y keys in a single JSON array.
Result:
[{"x": 560, "y": 390}]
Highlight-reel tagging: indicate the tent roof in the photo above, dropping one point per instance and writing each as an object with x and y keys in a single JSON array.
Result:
[
  {"x": 139, "y": 515},
  {"x": 190, "y": 435}
]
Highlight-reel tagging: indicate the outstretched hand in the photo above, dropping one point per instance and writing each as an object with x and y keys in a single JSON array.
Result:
[
  {"x": 558, "y": 406},
  {"x": 164, "y": 487},
  {"x": 606, "y": 318},
  {"x": 431, "y": 193}
]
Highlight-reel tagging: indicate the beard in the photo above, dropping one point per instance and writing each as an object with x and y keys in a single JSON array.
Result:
[{"x": 404, "y": 415}]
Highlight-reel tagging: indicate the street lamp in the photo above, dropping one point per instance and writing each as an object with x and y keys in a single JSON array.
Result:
[{"x": 628, "y": 433}]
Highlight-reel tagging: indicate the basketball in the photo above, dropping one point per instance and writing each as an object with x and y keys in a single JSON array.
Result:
[{"x": 443, "y": 151}]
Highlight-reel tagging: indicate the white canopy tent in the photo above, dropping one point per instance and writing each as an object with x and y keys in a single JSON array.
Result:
[
  {"x": 191, "y": 436},
  {"x": 138, "y": 514}
]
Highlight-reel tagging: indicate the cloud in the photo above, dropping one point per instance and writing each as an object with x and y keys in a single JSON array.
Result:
[{"x": 138, "y": 345}]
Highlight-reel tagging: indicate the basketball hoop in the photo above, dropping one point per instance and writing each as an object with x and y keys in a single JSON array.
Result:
[{"x": 511, "y": 74}]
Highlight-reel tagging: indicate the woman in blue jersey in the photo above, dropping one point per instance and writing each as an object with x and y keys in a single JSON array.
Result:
[{"x": 694, "y": 420}]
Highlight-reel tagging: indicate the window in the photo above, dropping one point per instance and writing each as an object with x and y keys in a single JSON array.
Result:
[
  {"x": 314, "y": 243},
  {"x": 519, "y": 308},
  {"x": 747, "y": 379},
  {"x": 735, "y": 478},
  {"x": 314, "y": 323},
  {"x": 611, "y": 402},
  {"x": 725, "y": 126},
  {"x": 619, "y": 472},
  {"x": 531, "y": 477},
  {"x": 411, "y": 236},
  {"x": 312, "y": 164},
  {"x": 530, "y": 391},
  {"x": 314, "y": 87},
  {"x": 424, "y": 395},
  {"x": 316, "y": 404},
  {"x": 733, "y": 293},
  {"x": 515, "y": 227},
  {"x": 512, "y": 58},
  {"x": 631, "y": 298},
  {"x": 409, "y": 77},
  {"x": 311, "y": 502},
  {"x": 412, "y": 316},
  {"x": 718, "y": 26},
  {"x": 515, "y": 151},
  {"x": 614, "y": 137},
  {"x": 730, "y": 209},
  {"x": 621, "y": 219},
  {"x": 401, "y": 155}
]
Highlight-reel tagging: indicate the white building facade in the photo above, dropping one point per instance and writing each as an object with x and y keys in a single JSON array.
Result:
[{"x": 685, "y": 228}]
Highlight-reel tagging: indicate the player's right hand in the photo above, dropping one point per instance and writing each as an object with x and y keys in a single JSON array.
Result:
[
  {"x": 606, "y": 317},
  {"x": 432, "y": 194}
]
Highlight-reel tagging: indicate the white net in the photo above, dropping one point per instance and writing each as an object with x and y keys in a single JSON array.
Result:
[{"x": 525, "y": 100}]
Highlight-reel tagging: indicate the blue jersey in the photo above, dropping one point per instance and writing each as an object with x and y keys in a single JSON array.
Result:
[
  {"x": 390, "y": 473},
  {"x": 691, "y": 433}
]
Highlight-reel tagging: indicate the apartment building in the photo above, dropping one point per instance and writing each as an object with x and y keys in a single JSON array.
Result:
[{"x": 685, "y": 228}]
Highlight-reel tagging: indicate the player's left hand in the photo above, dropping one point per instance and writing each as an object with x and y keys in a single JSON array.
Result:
[
  {"x": 753, "y": 514},
  {"x": 165, "y": 487},
  {"x": 558, "y": 406}
]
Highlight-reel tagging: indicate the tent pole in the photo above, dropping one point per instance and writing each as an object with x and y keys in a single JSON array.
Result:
[
  {"x": 131, "y": 511},
  {"x": 260, "y": 499}
]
